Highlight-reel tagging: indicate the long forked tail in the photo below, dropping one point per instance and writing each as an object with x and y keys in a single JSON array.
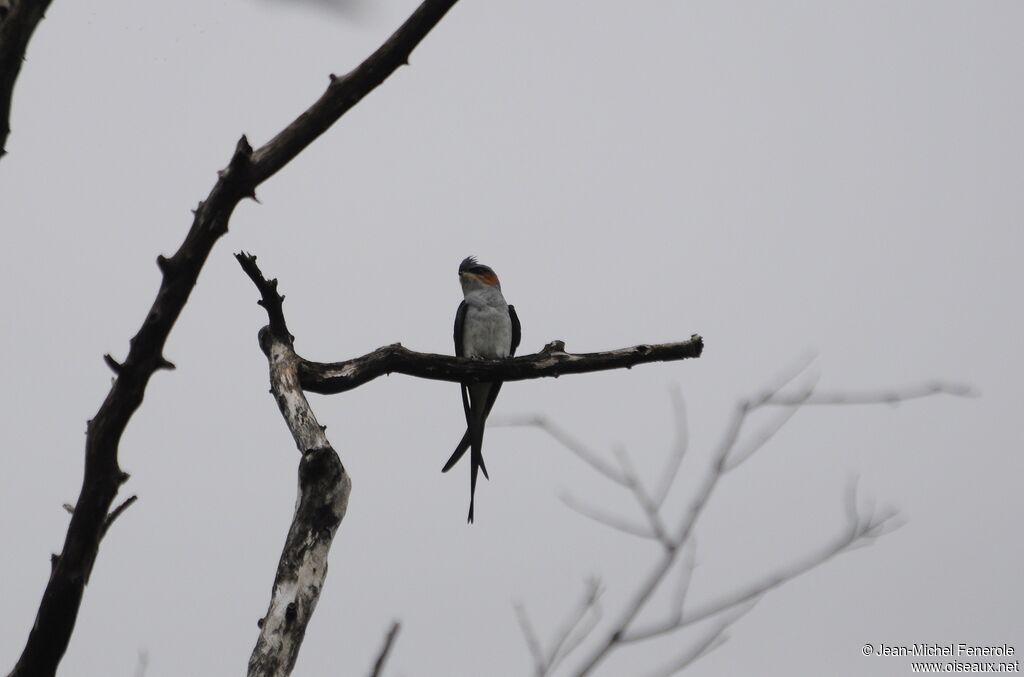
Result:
[
  {"x": 476, "y": 456},
  {"x": 460, "y": 452}
]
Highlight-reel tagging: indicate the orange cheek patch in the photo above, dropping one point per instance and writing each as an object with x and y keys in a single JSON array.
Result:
[{"x": 488, "y": 278}]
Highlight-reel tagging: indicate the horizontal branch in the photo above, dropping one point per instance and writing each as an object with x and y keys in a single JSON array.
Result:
[{"x": 551, "y": 361}]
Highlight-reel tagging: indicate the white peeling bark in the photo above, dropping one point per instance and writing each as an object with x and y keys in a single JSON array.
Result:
[{"x": 324, "y": 488}]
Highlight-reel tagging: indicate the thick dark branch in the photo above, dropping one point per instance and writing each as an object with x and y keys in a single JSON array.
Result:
[
  {"x": 58, "y": 609},
  {"x": 17, "y": 24},
  {"x": 347, "y": 90},
  {"x": 553, "y": 361}
]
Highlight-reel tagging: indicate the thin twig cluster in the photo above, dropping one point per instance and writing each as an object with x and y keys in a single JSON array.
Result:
[{"x": 676, "y": 533}]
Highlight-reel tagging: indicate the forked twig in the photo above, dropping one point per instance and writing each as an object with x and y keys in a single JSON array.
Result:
[{"x": 863, "y": 525}]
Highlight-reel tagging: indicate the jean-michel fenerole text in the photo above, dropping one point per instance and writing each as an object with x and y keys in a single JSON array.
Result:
[{"x": 953, "y": 649}]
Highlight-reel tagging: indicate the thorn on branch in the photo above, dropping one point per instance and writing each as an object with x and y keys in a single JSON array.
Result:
[
  {"x": 69, "y": 508},
  {"x": 163, "y": 263},
  {"x": 116, "y": 512},
  {"x": 163, "y": 363},
  {"x": 243, "y": 153},
  {"x": 114, "y": 365}
]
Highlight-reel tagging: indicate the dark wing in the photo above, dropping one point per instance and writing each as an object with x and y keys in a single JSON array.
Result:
[
  {"x": 460, "y": 321},
  {"x": 517, "y": 330}
]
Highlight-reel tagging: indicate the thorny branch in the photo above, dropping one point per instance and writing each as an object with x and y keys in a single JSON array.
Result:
[
  {"x": 18, "y": 21},
  {"x": 248, "y": 168},
  {"x": 862, "y": 526}
]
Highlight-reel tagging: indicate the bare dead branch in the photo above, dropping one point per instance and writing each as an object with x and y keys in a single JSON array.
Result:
[
  {"x": 894, "y": 396},
  {"x": 853, "y": 536},
  {"x": 710, "y": 641},
  {"x": 532, "y": 643},
  {"x": 581, "y": 450},
  {"x": 551, "y": 361},
  {"x": 648, "y": 506},
  {"x": 568, "y": 637},
  {"x": 685, "y": 576},
  {"x": 382, "y": 655},
  {"x": 679, "y": 448},
  {"x": 324, "y": 489},
  {"x": 17, "y": 24},
  {"x": 740, "y": 452},
  {"x": 859, "y": 529},
  {"x": 247, "y": 169},
  {"x": 611, "y": 521},
  {"x": 862, "y": 528}
]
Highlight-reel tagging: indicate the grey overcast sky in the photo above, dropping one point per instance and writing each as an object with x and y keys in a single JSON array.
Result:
[{"x": 842, "y": 177}]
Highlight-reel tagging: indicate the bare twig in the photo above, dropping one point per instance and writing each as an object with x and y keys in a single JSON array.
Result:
[
  {"x": 532, "y": 643},
  {"x": 679, "y": 448},
  {"x": 568, "y": 638},
  {"x": 382, "y": 655},
  {"x": 893, "y": 396},
  {"x": 863, "y": 526},
  {"x": 710, "y": 641},
  {"x": 574, "y": 632},
  {"x": 612, "y": 521},
  {"x": 859, "y": 530},
  {"x": 247, "y": 169},
  {"x": 644, "y": 500},
  {"x": 568, "y": 441}
]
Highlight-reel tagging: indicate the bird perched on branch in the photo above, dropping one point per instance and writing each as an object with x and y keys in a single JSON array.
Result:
[{"x": 486, "y": 328}]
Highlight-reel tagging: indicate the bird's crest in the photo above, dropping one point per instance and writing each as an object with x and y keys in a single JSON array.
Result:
[{"x": 484, "y": 273}]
